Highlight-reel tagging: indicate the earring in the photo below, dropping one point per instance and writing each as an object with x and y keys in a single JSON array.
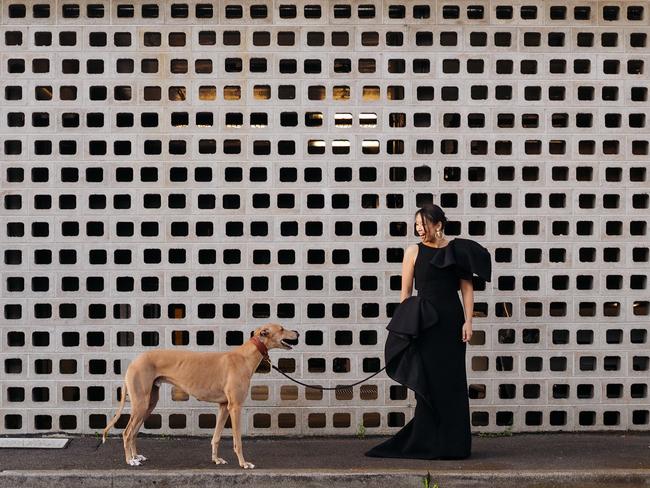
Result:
[{"x": 438, "y": 234}]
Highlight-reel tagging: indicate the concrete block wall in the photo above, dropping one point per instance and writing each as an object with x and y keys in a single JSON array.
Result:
[{"x": 177, "y": 174}]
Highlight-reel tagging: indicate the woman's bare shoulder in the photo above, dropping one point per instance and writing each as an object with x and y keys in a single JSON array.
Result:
[
  {"x": 412, "y": 249},
  {"x": 411, "y": 253}
]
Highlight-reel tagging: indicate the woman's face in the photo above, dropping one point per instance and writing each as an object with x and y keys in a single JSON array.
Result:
[{"x": 419, "y": 228}]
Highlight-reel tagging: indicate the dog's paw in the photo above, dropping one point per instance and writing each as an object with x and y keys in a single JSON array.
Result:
[
  {"x": 140, "y": 458},
  {"x": 219, "y": 461},
  {"x": 247, "y": 465},
  {"x": 134, "y": 462}
]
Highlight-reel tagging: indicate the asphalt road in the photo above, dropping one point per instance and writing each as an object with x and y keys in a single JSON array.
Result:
[{"x": 559, "y": 451}]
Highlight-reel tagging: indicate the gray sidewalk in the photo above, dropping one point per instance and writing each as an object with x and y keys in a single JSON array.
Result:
[{"x": 521, "y": 460}]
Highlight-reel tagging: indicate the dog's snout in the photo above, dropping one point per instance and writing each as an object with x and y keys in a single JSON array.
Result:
[{"x": 292, "y": 337}]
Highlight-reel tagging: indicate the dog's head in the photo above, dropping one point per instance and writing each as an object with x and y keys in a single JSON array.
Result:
[{"x": 276, "y": 336}]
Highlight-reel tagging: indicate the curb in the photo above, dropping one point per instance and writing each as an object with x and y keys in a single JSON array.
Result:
[{"x": 226, "y": 478}]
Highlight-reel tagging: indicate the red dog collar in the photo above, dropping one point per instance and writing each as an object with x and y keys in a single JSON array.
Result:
[{"x": 260, "y": 346}]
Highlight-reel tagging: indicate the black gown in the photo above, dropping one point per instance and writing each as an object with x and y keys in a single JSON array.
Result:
[{"x": 424, "y": 351}]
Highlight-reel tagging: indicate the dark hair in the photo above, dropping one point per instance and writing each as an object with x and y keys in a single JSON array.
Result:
[{"x": 430, "y": 213}]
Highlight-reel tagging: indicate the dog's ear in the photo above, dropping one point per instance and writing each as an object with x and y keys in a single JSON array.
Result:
[{"x": 264, "y": 332}]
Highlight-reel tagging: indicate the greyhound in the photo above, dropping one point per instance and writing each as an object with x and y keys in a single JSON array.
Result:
[{"x": 218, "y": 377}]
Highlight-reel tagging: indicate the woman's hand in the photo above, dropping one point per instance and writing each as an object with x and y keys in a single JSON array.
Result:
[{"x": 467, "y": 331}]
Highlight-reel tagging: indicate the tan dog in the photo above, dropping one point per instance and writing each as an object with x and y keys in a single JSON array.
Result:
[{"x": 218, "y": 377}]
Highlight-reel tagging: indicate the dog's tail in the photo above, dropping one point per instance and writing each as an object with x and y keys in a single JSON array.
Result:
[{"x": 117, "y": 414}]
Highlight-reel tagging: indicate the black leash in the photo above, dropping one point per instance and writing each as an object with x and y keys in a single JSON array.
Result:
[{"x": 343, "y": 387}]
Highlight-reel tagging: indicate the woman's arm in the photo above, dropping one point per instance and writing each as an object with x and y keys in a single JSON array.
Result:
[
  {"x": 467, "y": 290},
  {"x": 408, "y": 267}
]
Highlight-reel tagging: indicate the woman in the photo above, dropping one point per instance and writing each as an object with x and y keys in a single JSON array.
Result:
[{"x": 428, "y": 334}]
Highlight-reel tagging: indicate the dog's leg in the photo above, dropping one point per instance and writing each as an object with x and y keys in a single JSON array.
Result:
[
  {"x": 235, "y": 416},
  {"x": 221, "y": 421},
  {"x": 131, "y": 430},
  {"x": 135, "y": 395},
  {"x": 126, "y": 440},
  {"x": 153, "y": 401},
  {"x": 138, "y": 412}
]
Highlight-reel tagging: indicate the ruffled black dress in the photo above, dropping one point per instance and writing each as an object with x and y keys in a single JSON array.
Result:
[{"x": 424, "y": 351}]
